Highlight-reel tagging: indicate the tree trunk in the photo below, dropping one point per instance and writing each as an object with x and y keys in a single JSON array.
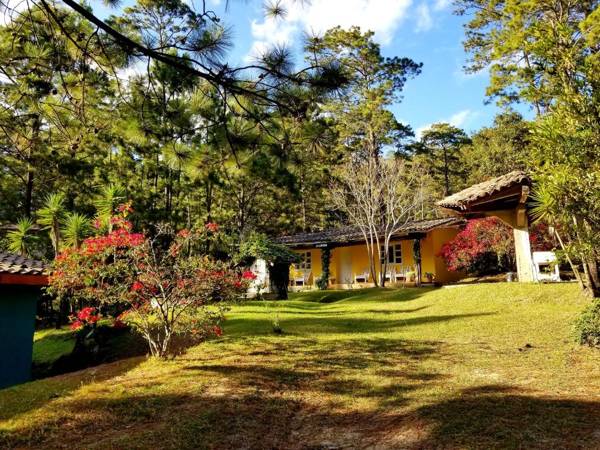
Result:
[
  {"x": 593, "y": 268},
  {"x": 591, "y": 288},
  {"x": 446, "y": 175},
  {"x": 35, "y": 134},
  {"x": 28, "y": 193},
  {"x": 279, "y": 276}
]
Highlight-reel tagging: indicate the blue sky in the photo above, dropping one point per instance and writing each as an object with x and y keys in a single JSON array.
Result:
[{"x": 424, "y": 30}]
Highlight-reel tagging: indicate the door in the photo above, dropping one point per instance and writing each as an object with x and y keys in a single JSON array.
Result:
[{"x": 346, "y": 275}]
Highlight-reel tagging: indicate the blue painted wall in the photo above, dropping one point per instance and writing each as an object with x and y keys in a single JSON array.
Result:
[{"x": 17, "y": 323}]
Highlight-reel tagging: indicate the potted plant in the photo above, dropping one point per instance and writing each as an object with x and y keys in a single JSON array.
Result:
[{"x": 429, "y": 277}]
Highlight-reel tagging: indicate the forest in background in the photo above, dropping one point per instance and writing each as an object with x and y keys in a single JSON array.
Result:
[{"x": 191, "y": 140}]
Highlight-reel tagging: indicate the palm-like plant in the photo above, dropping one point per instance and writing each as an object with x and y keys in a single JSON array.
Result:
[
  {"x": 49, "y": 217},
  {"x": 76, "y": 227},
  {"x": 106, "y": 202},
  {"x": 21, "y": 239}
]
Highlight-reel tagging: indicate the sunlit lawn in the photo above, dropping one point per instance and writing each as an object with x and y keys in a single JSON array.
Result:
[
  {"x": 486, "y": 366},
  {"x": 50, "y": 344}
]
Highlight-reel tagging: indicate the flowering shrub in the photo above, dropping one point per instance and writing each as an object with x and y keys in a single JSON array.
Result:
[
  {"x": 87, "y": 317},
  {"x": 212, "y": 227},
  {"x": 487, "y": 246},
  {"x": 168, "y": 292},
  {"x": 484, "y": 246}
]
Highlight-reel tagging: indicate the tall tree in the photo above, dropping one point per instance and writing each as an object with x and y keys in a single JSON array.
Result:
[
  {"x": 364, "y": 123},
  {"x": 498, "y": 149},
  {"x": 56, "y": 103},
  {"x": 545, "y": 53},
  {"x": 378, "y": 196},
  {"x": 440, "y": 147}
]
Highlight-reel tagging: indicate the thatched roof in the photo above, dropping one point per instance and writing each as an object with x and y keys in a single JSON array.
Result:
[
  {"x": 461, "y": 200},
  {"x": 349, "y": 235},
  {"x": 13, "y": 264}
]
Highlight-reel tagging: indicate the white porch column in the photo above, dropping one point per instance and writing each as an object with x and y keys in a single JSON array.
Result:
[
  {"x": 523, "y": 254},
  {"x": 523, "y": 247}
]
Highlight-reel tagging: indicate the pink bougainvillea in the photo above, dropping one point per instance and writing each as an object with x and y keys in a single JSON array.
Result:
[
  {"x": 249, "y": 275},
  {"x": 474, "y": 245},
  {"x": 487, "y": 245}
]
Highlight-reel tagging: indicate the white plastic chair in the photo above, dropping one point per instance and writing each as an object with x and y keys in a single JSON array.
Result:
[{"x": 362, "y": 277}]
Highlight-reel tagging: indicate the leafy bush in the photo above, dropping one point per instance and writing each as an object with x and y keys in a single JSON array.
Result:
[
  {"x": 164, "y": 287},
  {"x": 485, "y": 246},
  {"x": 588, "y": 325}
]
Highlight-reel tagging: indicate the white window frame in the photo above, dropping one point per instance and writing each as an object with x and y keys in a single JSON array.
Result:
[
  {"x": 305, "y": 261},
  {"x": 394, "y": 253}
]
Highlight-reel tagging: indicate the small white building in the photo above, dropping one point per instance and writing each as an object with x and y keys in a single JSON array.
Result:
[{"x": 261, "y": 284}]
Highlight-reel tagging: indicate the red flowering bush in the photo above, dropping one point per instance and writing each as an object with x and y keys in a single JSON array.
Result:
[
  {"x": 487, "y": 246},
  {"x": 167, "y": 290},
  {"x": 484, "y": 246},
  {"x": 249, "y": 275},
  {"x": 87, "y": 317}
]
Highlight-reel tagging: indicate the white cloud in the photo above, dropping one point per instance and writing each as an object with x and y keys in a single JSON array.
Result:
[
  {"x": 424, "y": 19},
  {"x": 380, "y": 16},
  {"x": 440, "y": 5},
  {"x": 459, "y": 120}
]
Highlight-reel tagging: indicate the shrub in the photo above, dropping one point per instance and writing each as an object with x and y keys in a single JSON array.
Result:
[
  {"x": 166, "y": 289},
  {"x": 588, "y": 325},
  {"x": 484, "y": 246}
]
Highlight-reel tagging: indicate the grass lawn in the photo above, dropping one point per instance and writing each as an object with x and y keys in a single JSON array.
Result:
[
  {"x": 50, "y": 344},
  {"x": 480, "y": 366}
]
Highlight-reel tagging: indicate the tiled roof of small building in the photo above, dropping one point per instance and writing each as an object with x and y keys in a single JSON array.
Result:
[
  {"x": 461, "y": 199},
  {"x": 11, "y": 263},
  {"x": 353, "y": 234}
]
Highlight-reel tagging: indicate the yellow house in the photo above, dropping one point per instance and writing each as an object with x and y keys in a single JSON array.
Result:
[{"x": 349, "y": 262}]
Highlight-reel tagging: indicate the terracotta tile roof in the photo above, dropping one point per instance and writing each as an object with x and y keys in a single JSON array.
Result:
[
  {"x": 11, "y": 263},
  {"x": 461, "y": 199},
  {"x": 353, "y": 234}
]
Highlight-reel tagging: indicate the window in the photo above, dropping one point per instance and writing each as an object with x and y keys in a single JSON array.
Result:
[
  {"x": 305, "y": 261},
  {"x": 394, "y": 254}
]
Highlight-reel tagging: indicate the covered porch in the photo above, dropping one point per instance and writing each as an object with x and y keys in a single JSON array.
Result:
[
  {"x": 505, "y": 197},
  {"x": 349, "y": 266}
]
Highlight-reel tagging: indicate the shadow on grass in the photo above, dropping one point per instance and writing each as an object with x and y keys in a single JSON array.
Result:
[
  {"x": 499, "y": 417},
  {"x": 492, "y": 417},
  {"x": 20, "y": 399},
  {"x": 116, "y": 344},
  {"x": 358, "y": 295},
  {"x": 52, "y": 345},
  {"x": 286, "y": 396}
]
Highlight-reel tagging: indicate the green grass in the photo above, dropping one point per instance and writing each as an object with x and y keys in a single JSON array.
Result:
[
  {"x": 51, "y": 344},
  {"x": 481, "y": 366}
]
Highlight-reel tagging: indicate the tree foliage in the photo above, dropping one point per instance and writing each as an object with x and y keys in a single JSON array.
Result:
[
  {"x": 440, "y": 148},
  {"x": 545, "y": 53}
]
